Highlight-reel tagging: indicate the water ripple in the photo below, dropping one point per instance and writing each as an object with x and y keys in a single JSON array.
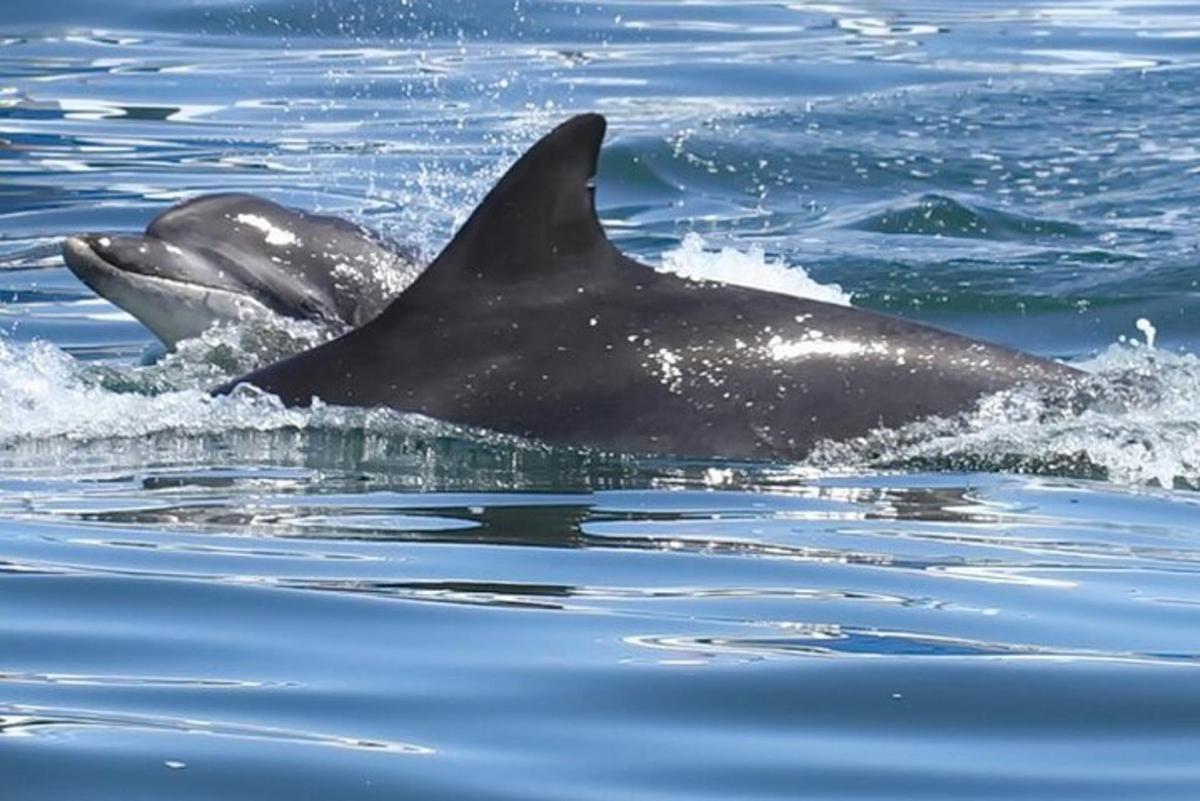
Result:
[
  {"x": 26, "y": 721},
  {"x": 838, "y": 641}
]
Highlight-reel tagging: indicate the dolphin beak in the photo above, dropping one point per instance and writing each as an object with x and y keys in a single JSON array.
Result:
[
  {"x": 80, "y": 254},
  {"x": 75, "y": 248}
]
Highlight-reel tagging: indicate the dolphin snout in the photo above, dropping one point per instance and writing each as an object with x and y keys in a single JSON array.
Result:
[
  {"x": 81, "y": 253},
  {"x": 76, "y": 247},
  {"x": 90, "y": 255}
]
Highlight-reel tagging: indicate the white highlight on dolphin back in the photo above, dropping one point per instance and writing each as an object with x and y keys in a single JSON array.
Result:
[
  {"x": 693, "y": 259},
  {"x": 815, "y": 344},
  {"x": 280, "y": 237}
]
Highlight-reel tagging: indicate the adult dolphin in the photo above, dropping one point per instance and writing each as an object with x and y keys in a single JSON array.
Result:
[
  {"x": 532, "y": 322},
  {"x": 236, "y": 257}
]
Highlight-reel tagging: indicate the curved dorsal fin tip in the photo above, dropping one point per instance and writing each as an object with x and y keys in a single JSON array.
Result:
[
  {"x": 538, "y": 216},
  {"x": 573, "y": 143}
]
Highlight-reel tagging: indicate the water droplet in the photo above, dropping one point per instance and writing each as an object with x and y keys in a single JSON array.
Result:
[{"x": 1148, "y": 329}]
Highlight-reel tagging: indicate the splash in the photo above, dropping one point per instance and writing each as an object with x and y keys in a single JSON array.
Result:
[
  {"x": 1134, "y": 419},
  {"x": 1147, "y": 328},
  {"x": 693, "y": 259},
  {"x": 46, "y": 394},
  {"x": 224, "y": 352},
  {"x": 62, "y": 416}
]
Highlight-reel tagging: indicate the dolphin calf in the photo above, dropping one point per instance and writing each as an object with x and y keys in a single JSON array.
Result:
[
  {"x": 531, "y": 322},
  {"x": 235, "y": 257}
]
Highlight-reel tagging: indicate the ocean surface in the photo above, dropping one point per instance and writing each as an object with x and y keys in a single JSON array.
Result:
[{"x": 206, "y": 599}]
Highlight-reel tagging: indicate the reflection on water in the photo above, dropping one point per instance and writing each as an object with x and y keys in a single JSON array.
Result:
[
  {"x": 273, "y": 610},
  {"x": 24, "y": 721}
]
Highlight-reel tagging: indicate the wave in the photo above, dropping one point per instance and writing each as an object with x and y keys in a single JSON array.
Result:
[{"x": 940, "y": 215}]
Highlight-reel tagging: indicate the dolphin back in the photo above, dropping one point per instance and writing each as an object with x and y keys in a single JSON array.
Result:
[{"x": 532, "y": 322}]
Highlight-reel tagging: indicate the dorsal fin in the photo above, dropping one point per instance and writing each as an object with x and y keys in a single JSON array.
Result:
[{"x": 541, "y": 215}]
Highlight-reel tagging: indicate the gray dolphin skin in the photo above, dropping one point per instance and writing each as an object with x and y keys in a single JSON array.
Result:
[
  {"x": 235, "y": 257},
  {"x": 531, "y": 322}
]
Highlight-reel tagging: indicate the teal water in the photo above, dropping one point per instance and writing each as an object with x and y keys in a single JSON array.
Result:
[{"x": 225, "y": 599}]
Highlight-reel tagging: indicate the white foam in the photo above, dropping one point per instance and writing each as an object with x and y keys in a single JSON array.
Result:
[
  {"x": 227, "y": 350},
  {"x": 386, "y": 277},
  {"x": 693, "y": 259},
  {"x": 1139, "y": 424},
  {"x": 46, "y": 393}
]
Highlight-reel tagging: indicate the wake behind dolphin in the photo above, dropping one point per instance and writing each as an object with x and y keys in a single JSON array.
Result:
[
  {"x": 236, "y": 258},
  {"x": 531, "y": 322}
]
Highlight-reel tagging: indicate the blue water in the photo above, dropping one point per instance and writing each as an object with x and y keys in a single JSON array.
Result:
[{"x": 225, "y": 599}]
